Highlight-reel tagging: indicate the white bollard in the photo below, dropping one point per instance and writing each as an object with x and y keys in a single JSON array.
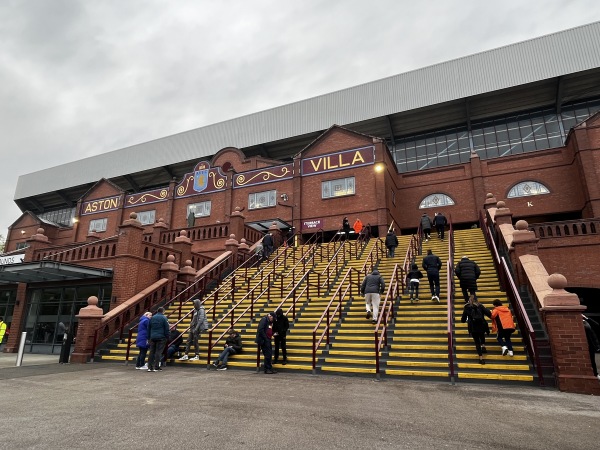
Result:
[{"x": 21, "y": 348}]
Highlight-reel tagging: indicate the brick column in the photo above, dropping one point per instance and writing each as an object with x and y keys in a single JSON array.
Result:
[
  {"x": 490, "y": 201},
  {"x": 277, "y": 235},
  {"x": 170, "y": 270},
  {"x": 157, "y": 228},
  {"x": 231, "y": 245},
  {"x": 187, "y": 274},
  {"x": 127, "y": 263},
  {"x": 477, "y": 180},
  {"x": 17, "y": 325},
  {"x": 90, "y": 318},
  {"x": 524, "y": 243},
  {"x": 18, "y": 320},
  {"x": 236, "y": 223},
  {"x": 562, "y": 316},
  {"x": 184, "y": 244}
]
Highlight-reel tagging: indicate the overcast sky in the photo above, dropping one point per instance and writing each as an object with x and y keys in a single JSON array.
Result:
[{"x": 80, "y": 78}]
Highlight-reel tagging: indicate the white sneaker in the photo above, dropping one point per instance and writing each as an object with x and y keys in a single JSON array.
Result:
[
  {"x": 510, "y": 353},
  {"x": 433, "y": 298},
  {"x": 184, "y": 358},
  {"x": 437, "y": 299},
  {"x": 195, "y": 358},
  {"x": 144, "y": 367},
  {"x": 504, "y": 350}
]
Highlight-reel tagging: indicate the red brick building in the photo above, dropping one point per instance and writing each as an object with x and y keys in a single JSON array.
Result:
[{"x": 529, "y": 137}]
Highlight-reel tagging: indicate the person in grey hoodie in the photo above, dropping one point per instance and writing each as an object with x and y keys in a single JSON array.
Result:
[
  {"x": 371, "y": 287},
  {"x": 197, "y": 326}
]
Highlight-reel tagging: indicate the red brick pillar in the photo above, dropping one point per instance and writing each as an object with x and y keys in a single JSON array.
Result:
[
  {"x": 127, "y": 264},
  {"x": 37, "y": 241},
  {"x": 187, "y": 274},
  {"x": 157, "y": 228},
  {"x": 183, "y": 244},
  {"x": 170, "y": 270},
  {"x": 524, "y": 243},
  {"x": 244, "y": 249},
  {"x": 90, "y": 318},
  {"x": 562, "y": 316},
  {"x": 277, "y": 235},
  {"x": 503, "y": 215},
  {"x": 490, "y": 201},
  {"x": 477, "y": 180},
  {"x": 231, "y": 245},
  {"x": 236, "y": 223},
  {"x": 16, "y": 326}
]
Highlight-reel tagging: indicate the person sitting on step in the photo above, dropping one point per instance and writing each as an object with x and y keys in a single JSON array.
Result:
[{"x": 233, "y": 346}]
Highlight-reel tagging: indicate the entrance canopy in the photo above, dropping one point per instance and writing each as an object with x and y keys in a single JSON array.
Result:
[
  {"x": 264, "y": 225},
  {"x": 49, "y": 271}
]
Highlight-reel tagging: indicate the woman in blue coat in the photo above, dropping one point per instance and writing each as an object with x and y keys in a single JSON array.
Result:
[{"x": 141, "y": 341}]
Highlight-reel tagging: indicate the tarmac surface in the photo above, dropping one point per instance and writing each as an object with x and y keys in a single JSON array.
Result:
[{"x": 46, "y": 405}]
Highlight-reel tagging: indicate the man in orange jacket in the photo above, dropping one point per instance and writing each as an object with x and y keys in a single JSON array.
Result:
[{"x": 503, "y": 324}]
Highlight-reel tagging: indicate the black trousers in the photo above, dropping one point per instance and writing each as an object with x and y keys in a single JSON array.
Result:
[
  {"x": 440, "y": 230},
  {"x": 157, "y": 347},
  {"x": 267, "y": 350},
  {"x": 280, "y": 341}
]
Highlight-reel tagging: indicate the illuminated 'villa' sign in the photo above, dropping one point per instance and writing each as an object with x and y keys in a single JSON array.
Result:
[
  {"x": 101, "y": 205},
  {"x": 348, "y": 159}
]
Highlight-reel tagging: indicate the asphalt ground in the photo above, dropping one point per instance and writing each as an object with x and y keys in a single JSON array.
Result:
[{"x": 46, "y": 405}]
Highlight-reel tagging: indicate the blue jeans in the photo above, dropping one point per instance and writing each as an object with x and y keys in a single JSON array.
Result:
[
  {"x": 225, "y": 355},
  {"x": 391, "y": 251},
  {"x": 141, "y": 358}
]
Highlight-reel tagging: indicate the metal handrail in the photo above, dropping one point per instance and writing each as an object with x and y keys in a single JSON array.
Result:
[
  {"x": 450, "y": 292},
  {"x": 338, "y": 294},
  {"x": 386, "y": 314}
]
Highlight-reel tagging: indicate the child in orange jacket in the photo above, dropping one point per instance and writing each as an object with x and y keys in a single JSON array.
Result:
[{"x": 503, "y": 324}]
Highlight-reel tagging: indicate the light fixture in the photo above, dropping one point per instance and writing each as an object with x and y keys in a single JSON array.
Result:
[
  {"x": 379, "y": 167},
  {"x": 284, "y": 197},
  {"x": 75, "y": 220},
  {"x": 22, "y": 231}
]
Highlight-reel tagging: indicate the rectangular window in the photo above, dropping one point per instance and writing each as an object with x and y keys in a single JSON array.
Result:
[
  {"x": 146, "y": 217},
  {"x": 201, "y": 209},
  {"x": 337, "y": 188},
  {"x": 22, "y": 245},
  {"x": 264, "y": 199},
  {"x": 97, "y": 225}
]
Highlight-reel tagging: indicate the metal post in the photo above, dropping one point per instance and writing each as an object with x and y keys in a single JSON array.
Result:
[{"x": 21, "y": 348}]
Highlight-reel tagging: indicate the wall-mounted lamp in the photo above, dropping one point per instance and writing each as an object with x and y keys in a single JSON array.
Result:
[
  {"x": 22, "y": 231},
  {"x": 379, "y": 167},
  {"x": 284, "y": 197},
  {"x": 75, "y": 220}
]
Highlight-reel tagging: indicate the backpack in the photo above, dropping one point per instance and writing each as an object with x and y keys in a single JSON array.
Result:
[{"x": 476, "y": 314}]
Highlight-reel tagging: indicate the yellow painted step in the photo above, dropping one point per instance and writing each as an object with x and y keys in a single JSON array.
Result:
[
  {"x": 495, "y": 376},
  {"x": 416, "y": 373},
  {"x": 488, "y": 366},
  {"x": 418, "y": 364},
  {"x": 347, "y": 369}
]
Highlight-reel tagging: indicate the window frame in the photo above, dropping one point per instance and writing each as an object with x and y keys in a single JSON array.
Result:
[
  {"x": 350, "y": 188},
  {"x": 270, "y": 195},
  {"x": 103, "y": 220}
]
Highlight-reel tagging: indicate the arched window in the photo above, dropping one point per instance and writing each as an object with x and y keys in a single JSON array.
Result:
[
  {"x": 527, "y": 188},
  {"x": 436, "y": 201}
]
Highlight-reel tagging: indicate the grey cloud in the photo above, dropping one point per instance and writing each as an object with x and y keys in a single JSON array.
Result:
[{"x": 80, "y": 78}]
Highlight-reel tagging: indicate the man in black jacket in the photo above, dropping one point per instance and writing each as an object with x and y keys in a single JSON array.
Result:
[
  {"x": 233, "y": 346},
  {"x": 439, "y": 222},
  {"x": 263, "y": 339},
  {"x": 267, "y": 245},
  {"x": 467, "y": 272},
  {"x": 281, "y": 325},
  {"x": 432, "y": 264},
  {"x": 391, "y": 242}
]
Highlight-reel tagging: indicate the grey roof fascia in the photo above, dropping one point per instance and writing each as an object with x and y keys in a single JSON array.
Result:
[{"x": 541, "y": 58}]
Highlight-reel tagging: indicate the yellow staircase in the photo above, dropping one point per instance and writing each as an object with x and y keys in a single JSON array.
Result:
[
  {"x": 419, "y": 342},
  {"x": 471, "y": 243}
]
